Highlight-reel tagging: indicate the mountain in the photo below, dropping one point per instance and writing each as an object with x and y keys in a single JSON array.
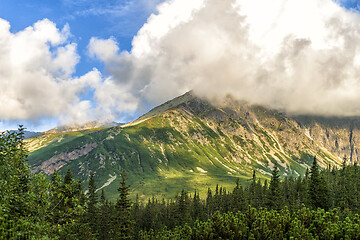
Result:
[
  {"x": 27, "y": 134},
  {"x": 189, "y": 143}
]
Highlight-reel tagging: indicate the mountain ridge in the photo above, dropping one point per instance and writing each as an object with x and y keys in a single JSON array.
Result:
[{"x": 191, "y": 143}]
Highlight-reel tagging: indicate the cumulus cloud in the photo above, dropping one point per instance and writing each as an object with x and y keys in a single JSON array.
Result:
[
  {"x": 36, "y": 68},
  {"x": 298, "y": 56}
]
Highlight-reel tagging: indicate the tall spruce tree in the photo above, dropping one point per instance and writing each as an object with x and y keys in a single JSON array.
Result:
[
  {"x": 238, "y": 198},
  {"x": 318, "y": 191},
  {"x": 136, "y": 214},
  {"x": 209, "y": 203},
  {"x": 122, "y": 221},
  {"x": 196, "y": 207},
  {"x": 92, "y": 200},
  {"x": 273, "y": 196},
  {"x": 183, "y": 208},
  {"x": 252, "y": 190},
  {"x": 343, "y": 186},
  {"x": 104, "y": 222}
]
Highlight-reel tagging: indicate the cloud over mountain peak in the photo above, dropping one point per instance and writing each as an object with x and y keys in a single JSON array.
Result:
[{"x": 298, "y": 56}]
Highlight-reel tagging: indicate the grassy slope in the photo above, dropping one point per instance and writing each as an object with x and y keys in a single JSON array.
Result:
[{"x": 173, "y": 163}]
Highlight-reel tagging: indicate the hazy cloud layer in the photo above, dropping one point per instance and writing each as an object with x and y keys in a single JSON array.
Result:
[{"x": 301, "y": 56}]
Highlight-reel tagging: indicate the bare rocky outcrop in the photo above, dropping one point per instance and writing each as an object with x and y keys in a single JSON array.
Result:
[
  {"x": 58, "y": 161},
  {"x": 344, "y": 141}
]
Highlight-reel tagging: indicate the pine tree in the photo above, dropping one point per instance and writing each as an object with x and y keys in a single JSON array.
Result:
[
  {"x": 122, "y": 220},
  {"x": 69, "y": 190},
  {"x": 104, "y": 223},
  {"x": 343, "y": 188},
  {"x": 273, "y": 198},
  {"x": 256, "y": 198},
  {"x": 318, "y": 191},
  {"x": 238, "y": 198},
  {"x": 252, "y": 191},
  {"x": 209, "y": 204},
  {"x": 196, "y": 208},
  {"x": 183, "y": 208},
  {"x": 216, "y": 198},
  {"x": 92, "y": 201},
  {"x": 225, "y": 201},
  {"x": 136, "y": 214}
]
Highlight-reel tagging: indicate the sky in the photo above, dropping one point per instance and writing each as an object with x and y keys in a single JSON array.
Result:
[{"x": 66, "y": 62}]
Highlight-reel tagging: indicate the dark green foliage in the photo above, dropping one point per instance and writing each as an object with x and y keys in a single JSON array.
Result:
[
  {"x": 105, "y": 211},
  {"x": 183, "y": 208},
  {"x": 322, "y": 205},
  {"x": 197, "y": 208},
  {"x": 273, "y": 196},
  {"x": 92, "y": 200},
  {"x": 268, "y": 224},
  {"x": 300, "y": 209},
  {"x": 238, "y": 198},
  {"x": 67, "y": 209},
  {"x": 122, "y": 223},
  {"x": 30, "y": 205},
  {"x": 23, "y": 197},
  {"x": 14, "y": 173},
  {"x": 256, "y": 194},
  {"x": 318, "y": 192}
]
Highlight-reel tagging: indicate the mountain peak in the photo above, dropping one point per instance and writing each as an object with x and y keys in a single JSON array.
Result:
[{"x": 188, "y": 96}]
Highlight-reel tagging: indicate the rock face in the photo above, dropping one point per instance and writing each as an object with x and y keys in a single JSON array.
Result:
[
  {"x": 189, "y": 143},
  {"x": 340, "y": 136},
  {"x": 58, "y": 161}
]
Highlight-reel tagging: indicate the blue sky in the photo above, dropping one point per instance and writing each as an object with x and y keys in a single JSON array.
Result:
[
  {"x": 64, "y": 61},
  {"x": 350, "y": 4}
]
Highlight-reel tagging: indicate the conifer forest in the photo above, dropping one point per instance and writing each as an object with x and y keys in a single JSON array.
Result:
[{"x": 324, "y": 204}]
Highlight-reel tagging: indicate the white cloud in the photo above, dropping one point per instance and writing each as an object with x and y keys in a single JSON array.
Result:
[
  {"x": 114, "y": 100},
  {"x": 171, "y": 15},
  {"x": 36, "y": 68},
  {"x": 298, "y": 55},
  {"x": 105, "y": 50}
]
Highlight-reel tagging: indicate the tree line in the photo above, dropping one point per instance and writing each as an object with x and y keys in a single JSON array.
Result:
[{"x": 324, "y": 204}]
